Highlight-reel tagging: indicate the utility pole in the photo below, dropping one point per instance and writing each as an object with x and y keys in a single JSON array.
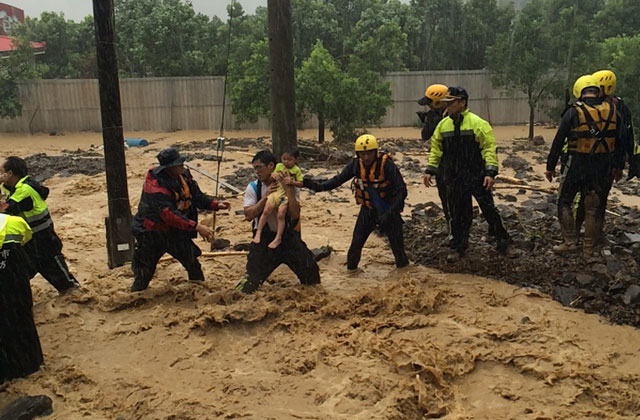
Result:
[
  {"x": 283, "y": 104},
  {"x": 118, "y": 224}
]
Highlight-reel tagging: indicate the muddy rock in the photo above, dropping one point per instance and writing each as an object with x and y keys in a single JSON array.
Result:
[
  {"x": 517, "y": 163},
  {"x": 632, "y": 294},
  {"x": 27, "y": 408},
  {"x": 43, "y": 166},
  {"x": 538, "y": 141},
  {"x": 598, "y": 287}
]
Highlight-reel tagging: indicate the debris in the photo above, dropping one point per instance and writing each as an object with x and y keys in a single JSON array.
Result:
[
  {"x": 322, "y": 252},
  {"x": 27, "y": 408}
]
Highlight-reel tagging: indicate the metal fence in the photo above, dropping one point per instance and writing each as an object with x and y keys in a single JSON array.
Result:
[{"x": 195, "y": 103}]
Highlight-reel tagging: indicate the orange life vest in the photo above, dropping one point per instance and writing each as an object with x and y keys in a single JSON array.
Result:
[{"x": 373, "y": 178}]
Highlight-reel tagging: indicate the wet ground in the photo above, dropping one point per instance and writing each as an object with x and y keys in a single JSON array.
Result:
[{"x": 383, "y": 343}]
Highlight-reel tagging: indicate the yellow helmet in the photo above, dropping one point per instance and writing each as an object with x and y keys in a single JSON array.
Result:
[
  {"x": 584, "y": 82},
  {"x": 436, "y": 92},
  {"x": 606, "y": 80},
  {"x": 366, "y": 142}
]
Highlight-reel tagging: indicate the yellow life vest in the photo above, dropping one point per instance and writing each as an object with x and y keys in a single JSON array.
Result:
[
  {"x": 38, "y": 217},
  {"x": 13, "y": 229},
  {"x": 596, "y": 131},
  {"x": 373, "y": 178}
]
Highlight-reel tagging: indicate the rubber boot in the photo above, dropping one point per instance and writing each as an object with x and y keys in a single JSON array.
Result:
[
  {"x": 592, "y": 225},
  {"x": 567, "y": 226}
]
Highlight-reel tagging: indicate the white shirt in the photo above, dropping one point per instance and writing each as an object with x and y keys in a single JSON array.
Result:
[{"x": 251, "y": 198}]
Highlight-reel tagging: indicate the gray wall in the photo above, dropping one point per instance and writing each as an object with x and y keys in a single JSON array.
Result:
[{"x": 191, "y": 103}]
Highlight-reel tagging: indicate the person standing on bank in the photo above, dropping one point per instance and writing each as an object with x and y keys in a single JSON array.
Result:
[
  {"x": 26, "y": 198},
  {"x": 292, "y": 251},
  {"x": 431, "y": 119},
  {"x": 463, "y": 156},
  {"x": 595, "y": 143},
  {"x": 20, "y": 351},
  {"x": 167, "y": 219},
  {"x": 379, "y": 190}
]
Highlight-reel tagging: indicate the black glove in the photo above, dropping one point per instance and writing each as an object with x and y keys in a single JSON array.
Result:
[
  {"x": 312, "y": 184},
  {"x": 492, "y": 173}
]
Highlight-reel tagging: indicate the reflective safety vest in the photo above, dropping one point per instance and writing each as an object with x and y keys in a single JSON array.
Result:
[
  {"x": 372, "y": 179},
  {"x": 13, "y": 229},
  {"x": 38, "y": 217},
  {"x": 596, "y": 130}
]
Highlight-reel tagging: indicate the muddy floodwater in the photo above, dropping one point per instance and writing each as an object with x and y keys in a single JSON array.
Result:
[{"x": 531, "y": 336}]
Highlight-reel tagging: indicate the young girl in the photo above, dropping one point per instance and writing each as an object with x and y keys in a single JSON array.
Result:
[{"x": 279, "y": 198}]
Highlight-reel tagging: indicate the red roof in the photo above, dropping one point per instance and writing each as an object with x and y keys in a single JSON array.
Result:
[{"x": 6, "y": 44}]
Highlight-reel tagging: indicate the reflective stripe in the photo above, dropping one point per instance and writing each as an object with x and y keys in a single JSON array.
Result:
[
  {"x": 42, "y": 226},
  {"x": 13, "y": 238},
  {"x": 462, "y": 133},
  {"x": 37, "y": 217},
  {"x": 65, "y": 271}
]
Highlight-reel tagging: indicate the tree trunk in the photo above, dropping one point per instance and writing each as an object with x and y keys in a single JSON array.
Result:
[
  {"x": 119, "y": 239},
  {"x": 320, "y": 129},
  {"x": 531, "y": 115},
  {"x": 283, "y": 104}
]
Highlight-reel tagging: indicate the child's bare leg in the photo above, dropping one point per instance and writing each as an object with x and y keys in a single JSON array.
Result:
[
  {"x": 266, "y": 212},
  {"x": 282, "y": 212}
]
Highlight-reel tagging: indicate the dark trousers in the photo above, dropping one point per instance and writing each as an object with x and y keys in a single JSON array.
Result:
[
  {"x": 587, "y": 176},
  {"x": 45, "y": 251},
  {"x": 150, "y": 246},
  {"x": 442, "y": 193},
  {"x": 459, "y": 194},
  {"x": 20, "y": 351},
  {"x": 292, "y": 251},
  {"x": 366, "y": 223}
]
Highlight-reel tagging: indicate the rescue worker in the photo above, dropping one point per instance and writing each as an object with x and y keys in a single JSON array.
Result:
[
  {"x": 463, "y": 157},
  {"x": 595, "y": 158},
  {"x": 431, "y": 119},
  {"x": 20, "y": 351},
  {"x": 607, "y": 81},
  {"x": 26, "y": 198},
  {"x": 379, "y": 190},
  {"x": 167, "y": 219},
  {"x": 262, "y": 260}
]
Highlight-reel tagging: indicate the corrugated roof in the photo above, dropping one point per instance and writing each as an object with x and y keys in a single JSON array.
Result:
[{"x": 6, "y": 44}]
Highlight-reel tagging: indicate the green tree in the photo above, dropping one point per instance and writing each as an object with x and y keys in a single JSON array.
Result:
[
  {"x": 312, "y": 21},
  {"x": 317, "y": 84},
  {"x": 19, "y": 65},
  {"x": 523, "y": 59},
  {"x": 70, "y": 46},
  {"x": 378, "y": 40},
  {"x": 482, "y": 21},
  {"x": 622, "y": 56},
  {"x": 162, "y": 38},
  {"x": 361, "y": 101},
  {"x": 249, "y": 85}
]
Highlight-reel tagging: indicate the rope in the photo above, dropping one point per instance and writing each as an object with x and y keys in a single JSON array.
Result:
[
  {"x": 220, "y": 141},
  {"x": 226, "y": 70}
]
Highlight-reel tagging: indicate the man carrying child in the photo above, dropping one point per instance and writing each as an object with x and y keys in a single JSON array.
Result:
[
  {"x": 292, "y": 251},
  {"x": 279, "y": 197}
]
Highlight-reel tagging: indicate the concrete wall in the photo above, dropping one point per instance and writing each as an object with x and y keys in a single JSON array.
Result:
[{"x": 189, "y": 103}]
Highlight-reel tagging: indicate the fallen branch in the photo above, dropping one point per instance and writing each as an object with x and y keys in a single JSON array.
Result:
[
  {"x": 211, "y": 254},
  {"x": 526, "y": 187},
  {"x": 510, "y": 180},
  {"x": 613, "y": 213}
]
